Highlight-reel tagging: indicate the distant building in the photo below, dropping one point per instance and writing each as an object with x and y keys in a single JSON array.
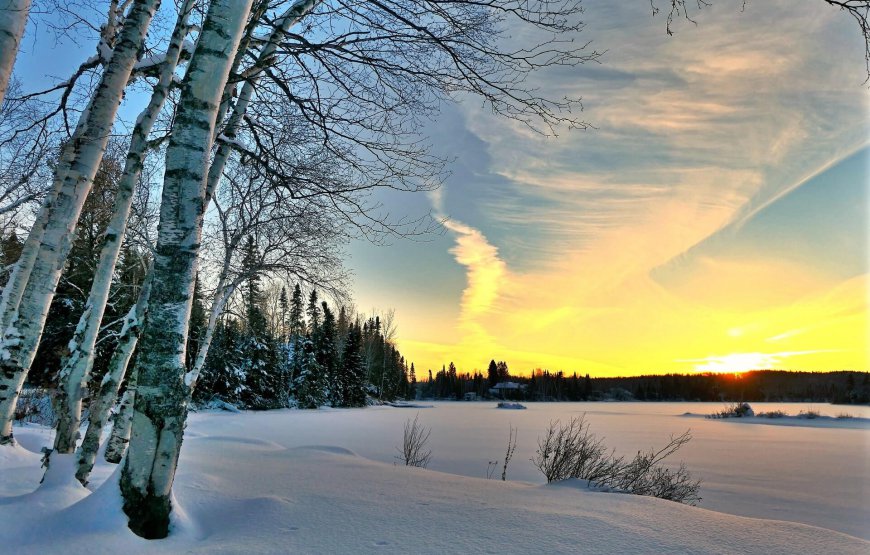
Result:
[
  {"x": 470, "y": 396},
  {"x": 506, "y": 389}
]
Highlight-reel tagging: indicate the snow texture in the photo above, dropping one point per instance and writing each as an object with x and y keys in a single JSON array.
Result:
[{"x": 292, "y": 482}]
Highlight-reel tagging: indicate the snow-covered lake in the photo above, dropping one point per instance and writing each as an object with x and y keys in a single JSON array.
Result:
[
  {"x": 815, "y": 472},
  {"x": 317, "y": 482}
]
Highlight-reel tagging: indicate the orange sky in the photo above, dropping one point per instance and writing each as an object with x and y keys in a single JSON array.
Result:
[{"x": 715, "y": 219}]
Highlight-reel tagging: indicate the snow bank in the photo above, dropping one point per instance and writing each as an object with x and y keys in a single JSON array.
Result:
[
  {"x": 821, "y": 421},
  {"x": 241, "y": 489}
]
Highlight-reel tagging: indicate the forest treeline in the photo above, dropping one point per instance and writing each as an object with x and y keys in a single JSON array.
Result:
[
  {"x": 841, "y": 387},
  {"x": 273, "y": 350},
  {"x": 267, "y": 123}
]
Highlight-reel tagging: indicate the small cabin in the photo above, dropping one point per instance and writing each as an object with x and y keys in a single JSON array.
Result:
[
  {"x": 470, "y": 396},
  {"x": 506, "y": 389}
]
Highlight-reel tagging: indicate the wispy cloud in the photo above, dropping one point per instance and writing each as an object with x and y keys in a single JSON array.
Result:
[{"x": 559, "y": 237}]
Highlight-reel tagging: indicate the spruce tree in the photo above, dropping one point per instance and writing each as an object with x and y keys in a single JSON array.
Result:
[
  {"x": 313, "y": 313},
  {"x": 353, "y": 370},
  {"x": 492, "y": 373},
  {"x": 284, "y": 308},
  {"x": 296, "y": 322},
  {"x": 327, "y": 360}
]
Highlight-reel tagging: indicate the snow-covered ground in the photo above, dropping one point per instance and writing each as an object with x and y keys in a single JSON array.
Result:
[{"x": 325, "y": 482}]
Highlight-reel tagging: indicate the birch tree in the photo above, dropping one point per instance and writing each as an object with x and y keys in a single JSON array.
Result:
[
  {"x": 37, "y": 272},
  {"x": 105, "y": 396},
  {"x": 78, "y": 363},
  {"x": 295, "y": 239},
  {"x": 392, "y": 62},
  {"x": 160, "y": 404},
  {"x": 13, "y": 19}
]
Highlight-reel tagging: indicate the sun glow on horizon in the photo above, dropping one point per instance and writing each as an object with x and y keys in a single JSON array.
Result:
[{"x": 684, "y": 236}]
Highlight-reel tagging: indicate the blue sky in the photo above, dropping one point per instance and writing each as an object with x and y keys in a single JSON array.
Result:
[
  {"x": 737, "y": 146},
  {"x": 716, "y": 214}
]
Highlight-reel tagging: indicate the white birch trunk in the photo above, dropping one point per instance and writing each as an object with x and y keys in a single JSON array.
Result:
[
  {"x": 108, "y": 392},
  {"x": 13, "y": 20},
  {"x": 160, "y": 407},
  {"x": 123, "y": 425},
  {"x": 291, "y": 17},
  {"x": 85, "y": 152},
  {"x": 76, "y": 366}
]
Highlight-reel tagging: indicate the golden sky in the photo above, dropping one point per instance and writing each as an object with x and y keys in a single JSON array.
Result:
[{"x": 714, "y": 220}]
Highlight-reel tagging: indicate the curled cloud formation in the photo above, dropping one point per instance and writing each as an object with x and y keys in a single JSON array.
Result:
[{"x": 485, "y": 270}]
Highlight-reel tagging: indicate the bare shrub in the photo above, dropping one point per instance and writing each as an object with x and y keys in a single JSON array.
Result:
[
  {"x": 645, "y": 475},
  {"x": 572, "y": 451},
  {"x": 773, "y": 414},
  {"x": 511, "y": 447},
  {"x": 809, "y": 414},
  {"x": 734, "y": 410},
  {"x": 413, "y": 451}
]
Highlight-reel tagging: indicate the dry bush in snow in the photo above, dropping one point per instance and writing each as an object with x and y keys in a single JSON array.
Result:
[
  {"x": 573, "y": 451},
  {"x": 413, "y": 451}
]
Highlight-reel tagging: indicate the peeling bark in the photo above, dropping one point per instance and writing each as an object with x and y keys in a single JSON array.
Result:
[
  {"x": 73, "y": 180},
  {"x": 160, "y": 406}
]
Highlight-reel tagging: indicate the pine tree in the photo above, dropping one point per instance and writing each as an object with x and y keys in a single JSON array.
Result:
[
  {"x": 492, "y": 373},
  {"x": 295, "y": 323},
  {"x": 313, "y": 313},
  {"x": 353, "y": 370},
  {"x": 223, "y": 376},
  {"x": 196, "y": 327},
  {"x": 309, "y": 384},
  {"x": 259, "y": 364},
  {"x": 284, "y": 307},
  {"x": 325, "y": 353}
]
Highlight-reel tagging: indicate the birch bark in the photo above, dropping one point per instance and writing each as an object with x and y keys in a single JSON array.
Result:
[
  {"x": 289, "y": 18},
  {"x": 108, "y": 392},
  {"x": 77, "y": 365},
  {"x": 160, "y": 407},
  {"x": 13, "y": 20},
  {"x": 73, "y": 179},
  {"x": 120, "y": 436}
]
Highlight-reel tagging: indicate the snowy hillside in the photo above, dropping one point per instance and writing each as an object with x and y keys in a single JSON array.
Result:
[{"x": 240, "y": 493}]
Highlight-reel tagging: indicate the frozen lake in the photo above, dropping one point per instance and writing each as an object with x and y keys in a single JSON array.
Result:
[{"x": 815, "y": 472}]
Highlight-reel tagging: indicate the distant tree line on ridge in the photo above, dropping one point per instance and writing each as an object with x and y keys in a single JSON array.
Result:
[{"x": 841, "y": 387}]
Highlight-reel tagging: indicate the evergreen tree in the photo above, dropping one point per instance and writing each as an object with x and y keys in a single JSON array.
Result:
[
  {"x": 295, "y": 322},
  {"x": 326, "y": 355},
  {"x": 198, "y": 321},
  {"x": 492, "y": 373},
  {"x": 353, "y": 370},
  {"x": 313, "y": 313},
  {"x": 223, "y": 375},
  {"x": 284, "y": 308},
  {"x": 310, "y": 387}
]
